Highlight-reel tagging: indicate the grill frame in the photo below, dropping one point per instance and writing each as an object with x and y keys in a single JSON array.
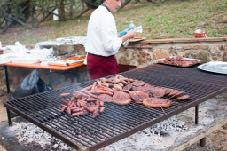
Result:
[{"x": 150, "y": 69}]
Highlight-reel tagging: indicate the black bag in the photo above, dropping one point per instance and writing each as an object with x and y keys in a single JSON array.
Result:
[{"x": 31, "y": 84}]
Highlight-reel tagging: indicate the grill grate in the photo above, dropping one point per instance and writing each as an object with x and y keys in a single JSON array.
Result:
[{"x": 88, "y": 133}]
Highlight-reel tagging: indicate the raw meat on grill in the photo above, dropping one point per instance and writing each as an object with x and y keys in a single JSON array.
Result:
[
  {"x": 157, "y": 102},
  {"x": 158, "y": 92},
  {"x": 117, "y": 87},
  {"x": 184, "y": 97},
  {"x": 119, "y": 90},
  {"x": 175, "y": 93},
  {"x": 146, "y": 88},
  {"x": 138, "y": 83},
  {"x": 64, "y": 94},
  {"x": 121, "y": 98},
  {"x": 180, "y": 61},
  {"x": 138, "y": 96},
  {"x": 105, "y": 98},
  {"x": 128, "y": 87}
]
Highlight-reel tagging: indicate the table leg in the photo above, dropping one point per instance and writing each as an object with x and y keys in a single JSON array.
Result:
[
  {"x": 49, "y": 78},
  {"x": 7, "y": 79}
]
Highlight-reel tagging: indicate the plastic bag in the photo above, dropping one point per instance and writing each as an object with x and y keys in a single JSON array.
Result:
[{"x": 31, "y": 84}]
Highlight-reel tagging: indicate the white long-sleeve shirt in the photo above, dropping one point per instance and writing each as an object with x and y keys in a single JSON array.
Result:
[{"x": 102, "y": 36}]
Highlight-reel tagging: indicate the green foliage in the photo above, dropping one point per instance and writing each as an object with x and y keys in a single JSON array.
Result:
[{"x": 173, "y": 18}]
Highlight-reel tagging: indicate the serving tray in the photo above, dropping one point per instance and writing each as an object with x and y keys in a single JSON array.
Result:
[{"x": 215, "y": 67}]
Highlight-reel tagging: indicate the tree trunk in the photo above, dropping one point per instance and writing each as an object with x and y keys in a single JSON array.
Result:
[{"x": 62, "y": 11}]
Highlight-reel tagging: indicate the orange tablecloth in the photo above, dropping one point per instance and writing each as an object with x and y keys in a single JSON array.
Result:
[
  {"x": 51, "y": 67},
  {"x": 40, "y": 66}
]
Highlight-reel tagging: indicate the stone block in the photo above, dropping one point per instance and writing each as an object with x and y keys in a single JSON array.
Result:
[
  {"x": 195, "y": 47},
  {"x": 187, "y": 47},
  {"x": 125, "y": 56},
  {"x": 225, "y": 47},
  {"x": 197, "y": 54},
  {"x": 145, "y": 57},
  {"x": 160, "y": 53}
]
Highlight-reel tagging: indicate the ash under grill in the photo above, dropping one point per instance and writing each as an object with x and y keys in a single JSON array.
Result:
[{"x": 88, "y": 133}]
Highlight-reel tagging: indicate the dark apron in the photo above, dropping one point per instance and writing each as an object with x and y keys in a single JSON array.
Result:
[{"x": 100, "y": 66}]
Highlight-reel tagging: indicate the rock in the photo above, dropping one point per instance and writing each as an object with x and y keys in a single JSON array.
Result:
[
  {"x": 224, "y": 19},
  {"x": 197, "y": 54},
  {"x": 160, "y": 53},
  {"x": 225, "y": 127}
]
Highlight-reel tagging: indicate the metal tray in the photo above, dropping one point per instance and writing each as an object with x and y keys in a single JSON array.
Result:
[{"x": 215, "y": 67}]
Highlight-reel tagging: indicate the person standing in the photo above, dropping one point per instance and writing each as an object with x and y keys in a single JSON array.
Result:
[{"x": 103, "y": 41}]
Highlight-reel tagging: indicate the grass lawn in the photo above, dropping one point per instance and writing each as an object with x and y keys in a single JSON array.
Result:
[{"x": 170, "y": 19}]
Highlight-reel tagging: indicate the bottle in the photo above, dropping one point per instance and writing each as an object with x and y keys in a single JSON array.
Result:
[
  {"x": 131, "y": 26},
  {"x": 123, "y": 32}
]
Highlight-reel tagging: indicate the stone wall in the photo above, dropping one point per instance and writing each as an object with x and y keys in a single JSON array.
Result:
[{"x": 149, "y": 51}]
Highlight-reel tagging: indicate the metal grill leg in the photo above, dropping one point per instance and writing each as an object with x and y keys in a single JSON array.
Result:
[
  {"x": 9, "y": 116},
  {"x": 197, "y": 114},
  {"x": 203, "y": 140}
]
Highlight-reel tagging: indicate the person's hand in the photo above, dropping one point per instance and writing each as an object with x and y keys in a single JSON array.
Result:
[{"x": 128, "y": 36}]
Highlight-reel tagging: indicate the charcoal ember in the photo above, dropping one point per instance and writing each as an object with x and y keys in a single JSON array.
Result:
[
  {"x": 157, "y": 103},
  {"x": 121, "y": 98},
  {"x": 138, "y": 96}
]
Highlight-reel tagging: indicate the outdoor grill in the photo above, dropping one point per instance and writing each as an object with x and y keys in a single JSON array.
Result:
[{"x": 117, "y": 122}]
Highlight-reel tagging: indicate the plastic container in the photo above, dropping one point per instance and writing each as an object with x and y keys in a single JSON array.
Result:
[
  {"x": 199, "y": 33},
  {"x": 131, "y": 26}
]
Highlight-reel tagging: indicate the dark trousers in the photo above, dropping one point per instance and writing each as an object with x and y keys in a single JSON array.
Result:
[{"x": 100, "y": 66}]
